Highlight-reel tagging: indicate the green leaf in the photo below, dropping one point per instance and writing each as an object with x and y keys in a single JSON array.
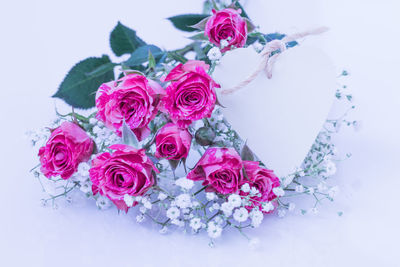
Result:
[
  {"x": 198, "y": 37},
  {"x": 152, "y": 61},
  {"x": 184, "y": 22},
  {"x": 82, "y": 81},
  {"x": 141, "y": 55},
  {"x": 246, "y": 153},
  {"x": 124, "y": 40},
  {"x": 128, "y": 137}
]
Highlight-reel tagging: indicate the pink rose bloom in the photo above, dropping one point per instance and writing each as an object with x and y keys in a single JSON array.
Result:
[
  {"x": 221, "y": 170},
  {"x": 227, "y": 24},
  {"x": 133, "y": 98},
  {"x": 126, "y": 171},
  {"x": 191, "y": 95},
  {"x": 67, "y": 146},
  {"x": 172, "y": 142},
  {"x": 262, "y": 179}
]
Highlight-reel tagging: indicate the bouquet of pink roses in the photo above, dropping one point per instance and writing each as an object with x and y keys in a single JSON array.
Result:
[{"x": 153, "y": 138}]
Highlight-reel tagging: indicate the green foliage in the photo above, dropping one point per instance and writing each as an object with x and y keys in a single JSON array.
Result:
[
  {"x": 142, "y": 55},
  {"x": 79, "y": 87},
  {"x": 128, "y": 137},
  {"x": 124, "y": 40},
  {"x": 184, "y": 22}
]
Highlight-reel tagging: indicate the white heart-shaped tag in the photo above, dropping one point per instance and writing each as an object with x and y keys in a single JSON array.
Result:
[{"x": 278, "y": 117}]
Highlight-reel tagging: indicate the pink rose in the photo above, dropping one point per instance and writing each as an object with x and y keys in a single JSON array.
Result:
[
  {"x": 133, "y": 98},
  {"x": 67, "y": 146},
  {"x": 262, "y": 179},
  {"x": 172, "y": 142},
  {"x": 191, "y": 95},
  {"x": 221, "y": 170},
  {"x": 126, "y": 171},
  {"x": 227, "y": 24}
]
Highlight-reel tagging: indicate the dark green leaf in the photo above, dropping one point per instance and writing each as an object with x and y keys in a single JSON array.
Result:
[
  {"x": 238, "y": 5},
  {"x": 124, "y": 40},
  {"x": 141, "y": 55},
  {"x": 183, "y": 22},
  {"x": 82, "y": 81},
  {"x": 198, "y": 37}
]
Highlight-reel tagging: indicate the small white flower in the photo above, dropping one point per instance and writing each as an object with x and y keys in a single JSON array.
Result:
[
  {"x": 96, "y": 129},
  {"x": 173, "y": 213},
  {"x": 213, "y": 230},
  {"x": 287, "y": 180},
  {"x": 93, "y": 121},
  {"x": 211, "y": 196},
  {"x": 86, "y": 187},
  {"x": 215, "y": 206},
  {"x": 183, "y": 201},
  {"x": 147, "y": 204},
  {"x": 322, "y": 187},
  {"x": 142, "y": 209},
  {"x": 245, "y": 188},
  {"x": 267, "y": 207},
  {"x": 83, "y": 169},
  {"x": 195, "y": 224},
  {"x": 310, "y": 190},
  {"x": 241, "y": 214},
  {"x": 195, "y": 204},
  {"x": 330, "y": 168},
  {"x": 256, "y": 217},
  {"x": 291, "y": 206},
  {"x": 214, "y": 54},
  {"x": 278, "y": 191},
  {"x": 254, "y": 191},
  {"x": 129, "y": 200},
  {"x": 299, "y": 188},
  {"x": 103, "y": 203},
  {"x": 235, "y": 200},
  {"x": 184, "y": 183},
  {"x": 227, "y": 208},
  {"x": 281, "y": 213},
  {"x": 224, "y": 43},
  {"x": 162, "y": 196},
  {"x": 333, "y": 191},
  {"x": 140, "y": 218}
]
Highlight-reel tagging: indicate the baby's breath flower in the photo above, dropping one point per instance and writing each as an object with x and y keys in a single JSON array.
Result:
[
  {"x": 183, "y": 201},
  {"x": 333, "y": 191},
  {"x": 256, "y": 217},
  {"x": 86, "y": 187},
  {"x": 241, "y": 214},
  {"x": 254, "y": 191},
  {"x": 140, "y": 218},
  {"x": 258, "y": 47},
  {"x": 211, "y": 196},
  {"x": 213, "y": 230},
  {"x": 278, "y": 191},
  {"x": 224, "y": 43},
  {"x": 195, "y": 224},
  {"x": 227, "y": 208},
  {"x": 103, "y": 203},
  {"x": 214, "y": 54},
  {"x": 299, "y": 188},
  {"x": 162, "y": 196},
  {"x": 184, "y": 183},
  {"x": 310, "y": 190},
  {"x": 291, "y": 206},
  {"x": 129, "y": 200},
  {"x": 173, "y": 213},
  {"x": 235, "y": 200},
  {"x": 245, "y": 188},
  {"x": 267, "y": 207}
]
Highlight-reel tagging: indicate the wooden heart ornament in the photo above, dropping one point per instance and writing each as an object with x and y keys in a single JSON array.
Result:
[{"x": 278, "y": 117}]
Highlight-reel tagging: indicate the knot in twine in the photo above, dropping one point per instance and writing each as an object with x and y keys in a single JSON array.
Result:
[{"x": 269, "y": 55}]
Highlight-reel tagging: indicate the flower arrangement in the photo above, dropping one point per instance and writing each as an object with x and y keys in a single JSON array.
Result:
[{"x": 151, "y": 136}]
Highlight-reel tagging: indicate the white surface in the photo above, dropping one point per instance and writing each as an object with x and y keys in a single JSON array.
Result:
[
  {"x": 270, "y": 114},
  {"x": 41, "y": 40}
]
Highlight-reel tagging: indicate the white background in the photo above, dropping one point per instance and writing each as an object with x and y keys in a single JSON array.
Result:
[{"x": 41, "y": 40}]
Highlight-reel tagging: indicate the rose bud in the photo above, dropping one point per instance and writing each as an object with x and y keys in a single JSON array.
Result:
[
  {"x": 68, "y": 145},
  {"x": 172, "y": 142},
  {"x": 227, "y": 26}
]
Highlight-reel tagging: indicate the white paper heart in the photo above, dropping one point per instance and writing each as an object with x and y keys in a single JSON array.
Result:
[{"x": 279, "y": 117}]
